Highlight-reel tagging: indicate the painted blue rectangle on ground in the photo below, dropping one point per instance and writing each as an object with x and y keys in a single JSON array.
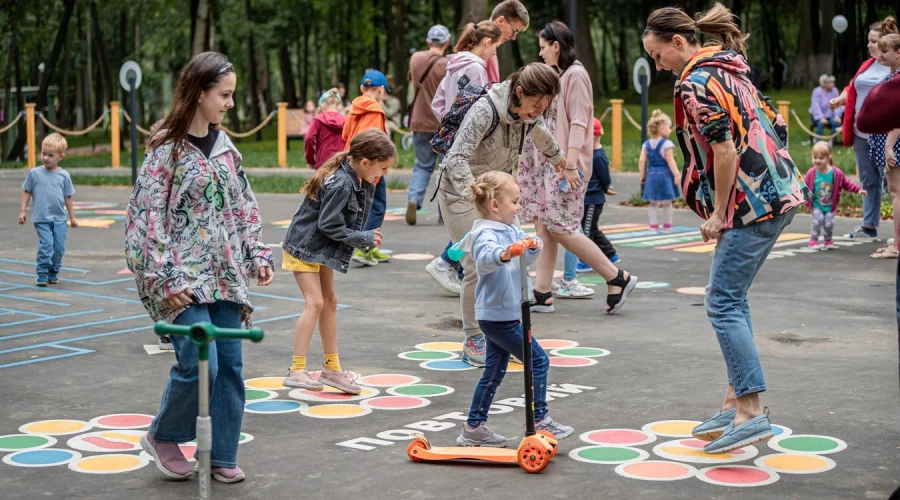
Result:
[{"x": 649, "y": 232}]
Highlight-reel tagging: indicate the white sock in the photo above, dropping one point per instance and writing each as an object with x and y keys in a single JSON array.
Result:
[
  {"x": 668, "y": 213},
  {"x": 653, "y": 216},
  {"x": 441, "y": 264}
]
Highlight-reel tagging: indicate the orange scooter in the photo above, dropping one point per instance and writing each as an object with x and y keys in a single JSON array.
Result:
[{"x": 537, "y": 448}]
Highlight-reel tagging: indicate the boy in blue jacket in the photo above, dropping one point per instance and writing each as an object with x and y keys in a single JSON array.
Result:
[{"x": 594, "y": 199}]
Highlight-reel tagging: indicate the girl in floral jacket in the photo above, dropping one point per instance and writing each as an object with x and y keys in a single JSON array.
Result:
[{"x": 192, "y": 240}]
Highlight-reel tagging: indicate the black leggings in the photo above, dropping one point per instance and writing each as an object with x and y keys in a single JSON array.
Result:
[{"x": 589, "y": 222}]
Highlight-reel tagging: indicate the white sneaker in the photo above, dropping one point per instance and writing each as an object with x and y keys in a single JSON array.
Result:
[
  {"x": 573, "y": 290},
  {"x": 448, "y": 279}
]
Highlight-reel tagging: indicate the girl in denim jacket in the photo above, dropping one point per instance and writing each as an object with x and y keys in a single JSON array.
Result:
[{"x": 324, "y": 231}]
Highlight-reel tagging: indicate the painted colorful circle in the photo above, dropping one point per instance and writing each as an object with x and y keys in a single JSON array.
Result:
[
  {"x": 557, "y": 344},
  {"x": 412, "y": 256},
  {"x": 245, "y": 438},
  {"x": 421, "y": 390},
  {"x": 781, "y": 431},
  {"x": 107, "y": 441},
  {"x": 122, "y": 421},
  {"x": 335, "y": 411},
  {"x": 440, "y": 346},
  {"x": 427, "y": 355},
  {"x": 19, "y": 442},
  {"x": 394, "y": 403},
  {"x": 795, "y": 463},
  {"x": 691, "y": 450},
  {"x": 109, "y": 464},
  {"x": 55, "y": 427},
  {"x": 46, "y": 457},
  {"x": 808, "y": 443},
  {"x": 571, "y": 361},
  {"x": 671, "y": 428},
  {"x": 737, "y": 475},
  {"x": 692, "y": 290},
  {"x": 274, "y": 406},
  {"x": 593, "y": 279},
  {"x": 270, "y": 383},
  {"x": 608, "y": 455},
  {"x": 652, "y": 285},
  {"x": 584, "y": 352},
  {"x": 557, "y": 274},
  {"x": 515, "y": 367},
  {"x": 332, "y": 395},
  {"x": 618, "y": 437},
  {"x": 259, "y": 395},
  {"x": 447, "y": 365},
  {"x": 388, "y": 380},
  {"x": 353, "y": 375},
  {"x": 656, "y": 470}
]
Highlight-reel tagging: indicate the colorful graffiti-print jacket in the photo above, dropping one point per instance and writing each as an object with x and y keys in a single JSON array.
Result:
[
  {"x": 716, "y": 102},
  {"x": 193, "y": 223}
]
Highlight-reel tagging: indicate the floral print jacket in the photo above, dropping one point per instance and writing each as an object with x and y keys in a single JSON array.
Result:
[
  {"x": 193, "y": 223},
  {"x": 716, "y": 102}
]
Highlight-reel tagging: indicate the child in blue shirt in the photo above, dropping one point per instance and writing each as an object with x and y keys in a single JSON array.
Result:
[
  {"x": 598, "y": 188},
  {"x": 50, "y": 190},
  {"x": 498, "y": 297}
]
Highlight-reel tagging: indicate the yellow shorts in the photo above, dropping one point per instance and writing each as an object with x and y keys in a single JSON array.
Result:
[{"x": 291, "y": 263}]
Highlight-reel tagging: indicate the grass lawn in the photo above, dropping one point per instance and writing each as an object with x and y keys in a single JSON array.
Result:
[
  {"x": 282, "y": 184},
  {"x": 264, "y": 153}
]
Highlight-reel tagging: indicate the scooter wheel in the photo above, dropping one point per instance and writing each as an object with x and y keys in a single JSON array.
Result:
[
  {"x": 415, "y": 448},
  {"x": 551, "y": 441},
  {"x": 533, "y": 456}
]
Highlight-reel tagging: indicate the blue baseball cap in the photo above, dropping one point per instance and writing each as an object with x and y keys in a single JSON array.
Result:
[
  {"x": 375, "y": 78},
  {"x": 438, "y": 34}
]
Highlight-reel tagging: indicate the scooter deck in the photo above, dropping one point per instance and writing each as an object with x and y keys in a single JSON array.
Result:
[{"x": 482, "y": 454}]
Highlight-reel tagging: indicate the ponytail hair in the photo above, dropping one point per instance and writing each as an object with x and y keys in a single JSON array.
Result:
[
  {"x": 372, "y": 144},
  {"x": 487, "y": 187},
  {"x": 657, "y": 120},
  {"x": 717, "y": 22},
  {"x": 886, "y": 27},
  {"x": 473, "y": 34}
]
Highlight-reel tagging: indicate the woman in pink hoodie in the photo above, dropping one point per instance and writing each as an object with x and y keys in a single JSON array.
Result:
[
  {"x": 477, "y": 45},
  {"x": 323, "y": 139}
]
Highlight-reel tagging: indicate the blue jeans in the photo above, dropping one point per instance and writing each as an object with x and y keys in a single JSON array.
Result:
[
  {"x": 379, "y": 205},
  {"x": 51, "y": 247},
  {"x": 739, "y": 255},
  {"x": 571, "y": 262},
  {"x": 505, "y": 338},
  {"x": 453, "y": 263},
  {"x": 176, "y": 421},
  {"x": 820, "y": 129},
  {"x": 871, "y": 177},
  {"x": 424, "y": 167}
]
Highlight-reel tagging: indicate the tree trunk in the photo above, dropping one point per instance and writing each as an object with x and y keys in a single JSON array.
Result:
[
  {"x": 233, "y": 118},
  {"x": 436, "y": 12},
  {"x": 102, "y": 62},
  {"x": 318, "y": 62},
  {"x": 200, "y": 30},
  {"x": 825, "y": 45},
  {"x": 849, "y": 54},
  {"x": 289, "y": 94},
  {"x": 622, "y": 62},
  {"x": 88, "y": 75},
  {"x": 585, "y": 43},
  {"x": 604, "y": 57},
  {"x": 804, "y": 68},
  {"x": 399, "y": 56},
  {"x": 7, "y": 75},
  {"x": 15, "y": 152},
  {"x": 252, "y": 85},
  {"x": 137, "y": 57},
  {"x": 473, "y": 11}
]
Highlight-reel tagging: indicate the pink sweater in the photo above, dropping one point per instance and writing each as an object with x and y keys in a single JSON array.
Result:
[
  {"x": 575, "y": 117},
  {"x": 841, "y": 183}
]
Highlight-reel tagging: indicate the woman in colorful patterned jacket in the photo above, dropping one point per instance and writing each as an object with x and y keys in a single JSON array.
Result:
[
  {"x": 192, "y": 240},
  {"x": 738, "y": 176}
]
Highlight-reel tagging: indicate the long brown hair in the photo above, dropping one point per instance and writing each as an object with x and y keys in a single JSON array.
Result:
[
  {"x": 202, "y": 73},
  {"x": 536, "y": 79},
  {"x": 473, "y": 34},
  {"x": 717, "y": 22},
  {"x": 372, "y": 144}
]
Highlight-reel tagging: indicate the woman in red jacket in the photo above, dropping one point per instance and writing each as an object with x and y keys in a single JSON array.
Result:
[
  {"x": 870, "y": 74},
  {"x": 323, "y": 139}
]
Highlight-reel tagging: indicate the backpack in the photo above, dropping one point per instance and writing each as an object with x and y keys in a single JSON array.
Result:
[{"x": 467, "y": 97}]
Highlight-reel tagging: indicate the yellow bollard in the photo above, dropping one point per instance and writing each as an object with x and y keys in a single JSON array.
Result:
[
  {"x": 784, "y": 109},
  {"x": 616, "y": 133},
  {"x": 29, "y": 135},
  {"x": 114, "y": 132},
  {"x": 282, "y": 134}
]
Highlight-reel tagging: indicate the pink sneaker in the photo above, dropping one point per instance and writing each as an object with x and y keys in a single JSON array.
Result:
[
  {"x": 829, "y": 245},
  {"x": 667, "y": 227},
  {"x": 225, "y": 475},
  {"x": 301, "y": 379},
  {"x": 169, "y": 459},
  {"x": 340, "y": 380},
  {"x": 814, "y": 244},
  {"x": 654, "y": 226}
]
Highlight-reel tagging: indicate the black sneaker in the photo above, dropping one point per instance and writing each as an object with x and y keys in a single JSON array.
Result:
[
  {"x": 540, "y": 302},
  {"x": 165, "y": 343}
]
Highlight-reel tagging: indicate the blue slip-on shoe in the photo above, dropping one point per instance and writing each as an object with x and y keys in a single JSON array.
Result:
[
  {"x": 583, "y": 268},
  {"x": 750, "y": 432},
  {"x": 615, "y": 259},
  {"x": 713, "y": 428}
]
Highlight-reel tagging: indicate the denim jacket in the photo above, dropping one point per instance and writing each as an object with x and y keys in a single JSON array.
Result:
[{"x": 325, "y": 231}]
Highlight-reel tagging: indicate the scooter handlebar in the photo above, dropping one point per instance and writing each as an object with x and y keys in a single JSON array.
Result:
[{"x": 207, "y": 332}]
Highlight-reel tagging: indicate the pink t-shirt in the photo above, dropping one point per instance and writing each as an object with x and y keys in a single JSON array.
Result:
[{"x": 493, "y": 69}]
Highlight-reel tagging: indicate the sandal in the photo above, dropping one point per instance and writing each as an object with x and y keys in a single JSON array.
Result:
[
  {"x": 615, "y": 301},
  {"x": 886, "y": 252}
]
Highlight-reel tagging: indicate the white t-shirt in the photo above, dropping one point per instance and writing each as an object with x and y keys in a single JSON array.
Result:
[{"x": 863, "y": 83}]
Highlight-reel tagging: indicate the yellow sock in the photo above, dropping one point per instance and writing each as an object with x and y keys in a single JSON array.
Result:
[
  {"x": 298, "y": 364},
  {"x": 332, "y": 362}
]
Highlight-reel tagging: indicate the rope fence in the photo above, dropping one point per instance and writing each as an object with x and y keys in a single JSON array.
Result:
[
  {"x": 12, "y": 123},
  {"x": 811, "y": 133},
  {"x": 256, "y": 129},
  {"x": 628, "y": 115},
  {"x": 73, "y": 132},
  {"x": 138, "y": 127},
  {"x": 606, "y": 112}
]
